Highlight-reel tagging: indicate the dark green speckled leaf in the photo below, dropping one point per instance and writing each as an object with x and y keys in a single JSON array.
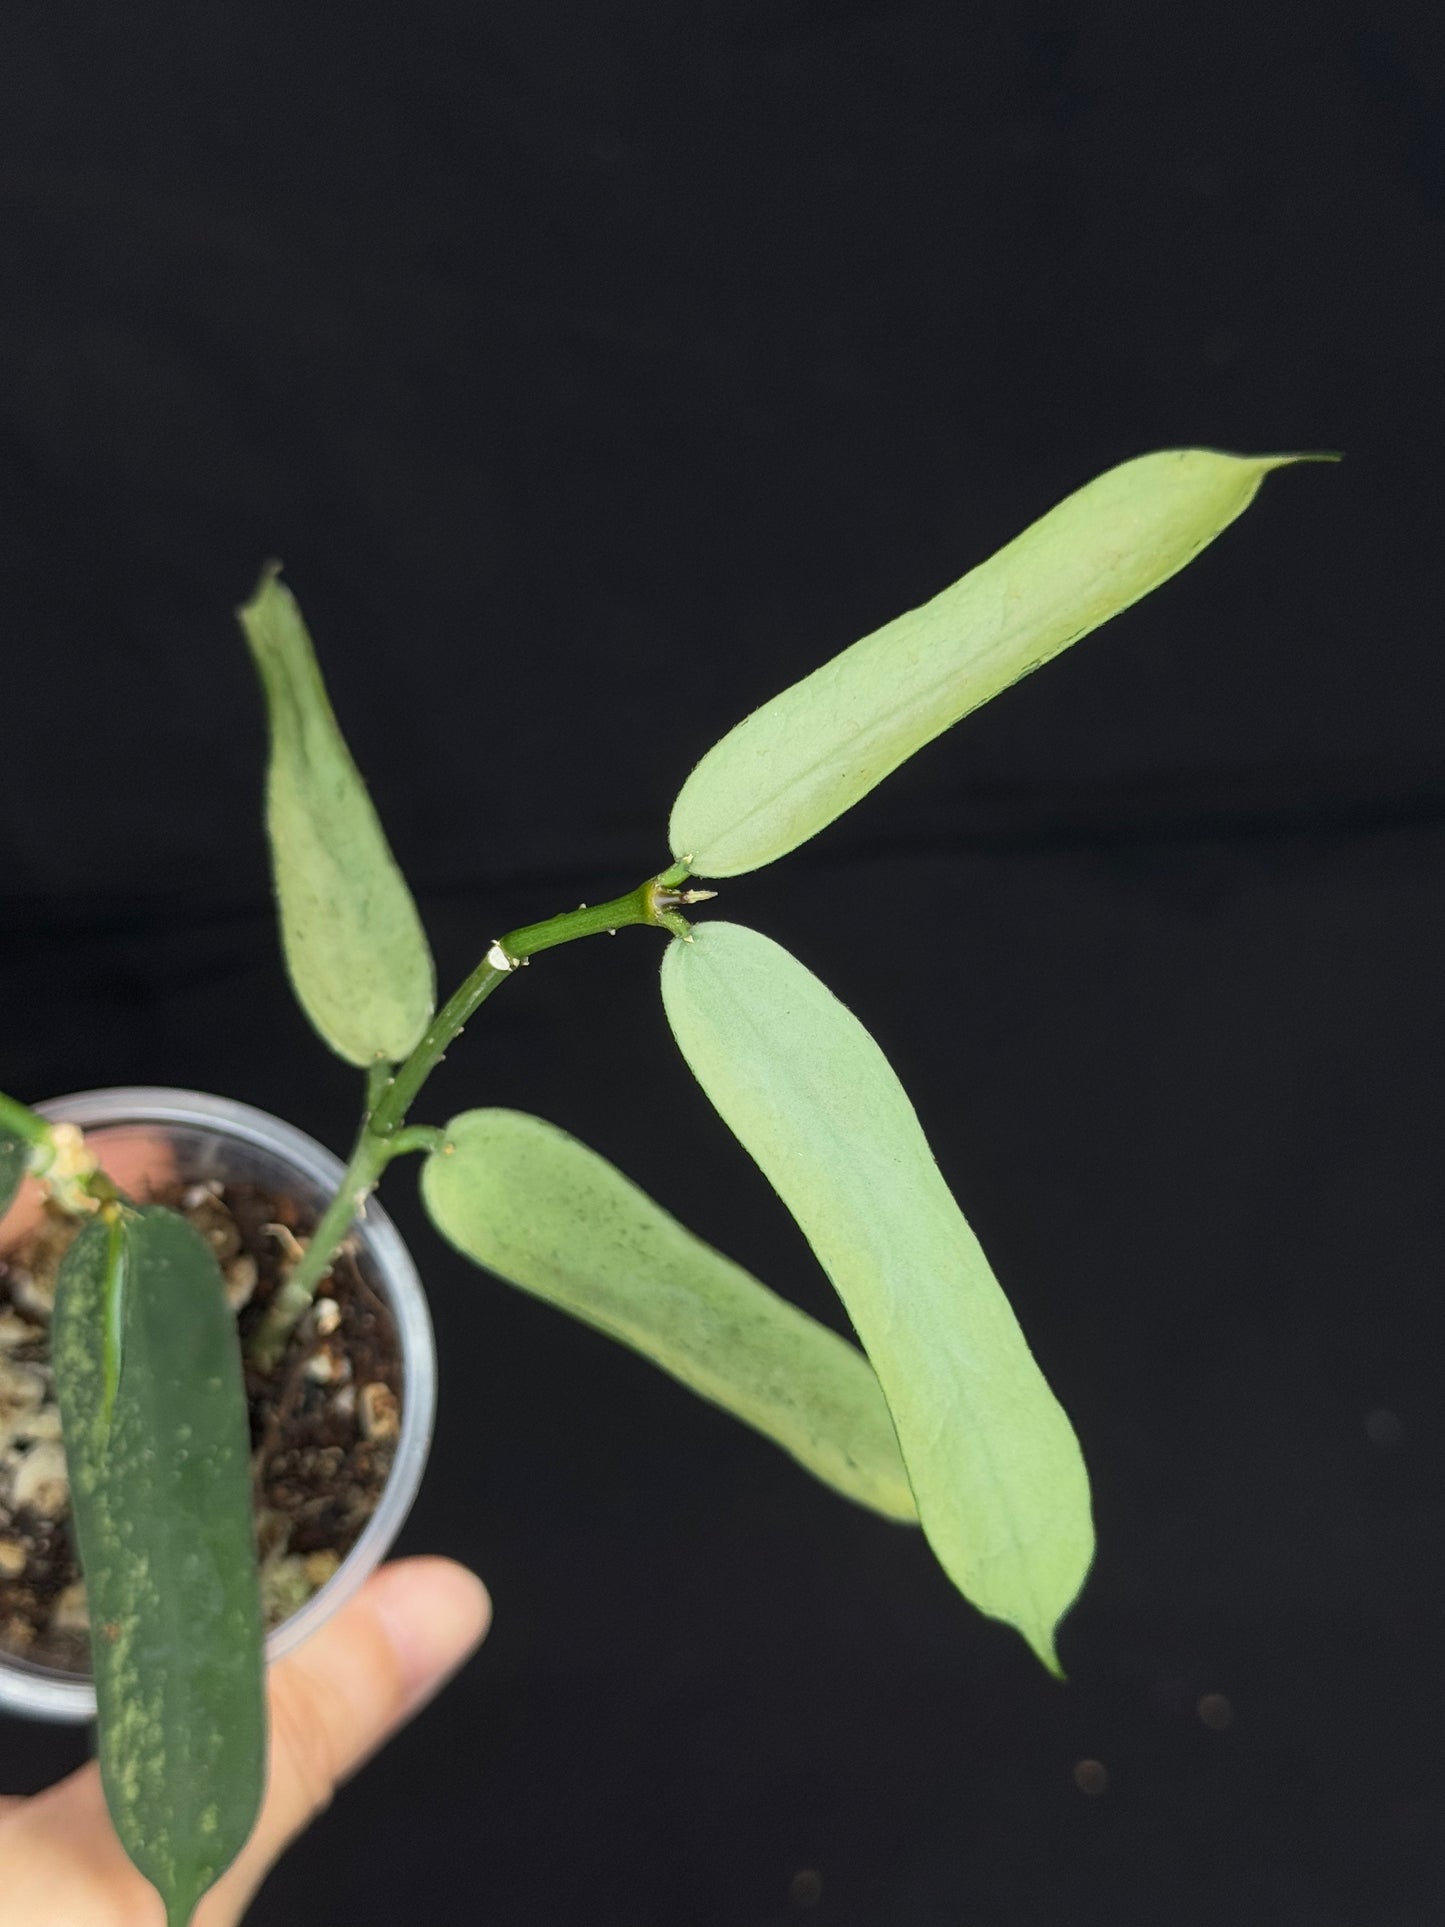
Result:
[{"x": 159, "y": 1458}]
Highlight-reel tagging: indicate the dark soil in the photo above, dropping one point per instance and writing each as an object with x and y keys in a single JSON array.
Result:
[{"x": 323, "y": 1422}]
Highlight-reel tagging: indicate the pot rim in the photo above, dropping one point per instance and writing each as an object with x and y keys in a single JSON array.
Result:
[{"x": 42, "y": 1693}]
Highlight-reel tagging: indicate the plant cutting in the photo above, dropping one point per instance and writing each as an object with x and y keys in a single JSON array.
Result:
[{"x": 162, "y": 1348}]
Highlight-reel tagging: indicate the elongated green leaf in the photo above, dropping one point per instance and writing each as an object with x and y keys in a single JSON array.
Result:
[
  {"x": 790, "y": 768},
  {"x": 541, "y": 1210},
  {"x": 14, "y": 1162},
  {"x": 354, "y": 944},
  {"x": 153, "y": 1408},
  {"x": 994, "y": 1465}
]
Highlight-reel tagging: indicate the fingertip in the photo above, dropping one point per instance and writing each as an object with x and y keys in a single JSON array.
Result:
[
  {"x": 345, "y": 1692},
  {"x": 434, "y": 1614}
]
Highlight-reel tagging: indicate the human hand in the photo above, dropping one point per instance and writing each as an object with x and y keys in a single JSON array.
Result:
[{"x": 333, "y": 1702}]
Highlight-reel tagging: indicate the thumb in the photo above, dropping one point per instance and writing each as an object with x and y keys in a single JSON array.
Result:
[
  {"x": 332, "y": 1704},
  {"x": 340, "y": 1696}
]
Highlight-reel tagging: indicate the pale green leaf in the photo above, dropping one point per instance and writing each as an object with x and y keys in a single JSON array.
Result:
[
  {"x": 541, "y": 1210},
  {"x": 790, "y": 768},
  {"x": 354, "y": 944},
  {"x": 993, "y": 1462},
  {"x": 153, "y": 1407}
]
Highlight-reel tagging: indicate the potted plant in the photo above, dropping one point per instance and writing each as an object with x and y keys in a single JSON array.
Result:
[{"x": 224, "y": 1331}]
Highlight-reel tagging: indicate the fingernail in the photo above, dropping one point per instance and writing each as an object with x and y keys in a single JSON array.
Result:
[{"x": 435, "y": 1614}]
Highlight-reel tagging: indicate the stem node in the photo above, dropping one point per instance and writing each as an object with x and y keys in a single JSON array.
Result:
[{"x": 391, "y": 1091}]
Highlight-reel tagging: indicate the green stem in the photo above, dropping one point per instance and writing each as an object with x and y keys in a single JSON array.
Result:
[
  {"x": 70, "y": 1184},
  {"x": 655, "y": 902},
  {"x": 447, "y": 1024},
  {"x": 378, "y": 1077},
  {"x": 415, "y": 1137},
  {"x": 288, "y": 1307},
  {"x": 390, "y": 1094},
  {"x": 17, "y": 1120}
]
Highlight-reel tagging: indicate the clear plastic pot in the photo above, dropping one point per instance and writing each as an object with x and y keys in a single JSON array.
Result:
[{"x": 210, "y": 1137}]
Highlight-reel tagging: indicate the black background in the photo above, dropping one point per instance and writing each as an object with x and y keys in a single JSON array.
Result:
[{"x": 597, "y": 371}]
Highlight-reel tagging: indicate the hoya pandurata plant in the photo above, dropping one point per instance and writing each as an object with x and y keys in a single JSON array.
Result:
[{"x": 942, "y": 1419}]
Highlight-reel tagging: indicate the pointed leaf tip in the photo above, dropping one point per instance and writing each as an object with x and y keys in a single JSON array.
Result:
[
  {"x": 789, "y": 769},
  {"x": 270, "y": 573}
]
